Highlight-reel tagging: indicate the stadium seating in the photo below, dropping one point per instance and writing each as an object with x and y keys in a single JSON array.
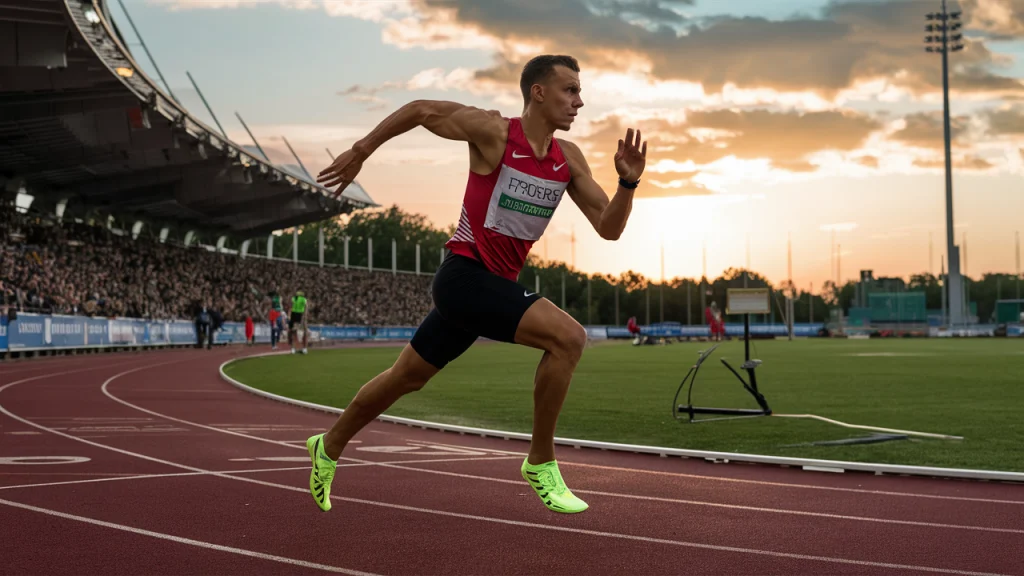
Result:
[{"x": 88, "y": 270}]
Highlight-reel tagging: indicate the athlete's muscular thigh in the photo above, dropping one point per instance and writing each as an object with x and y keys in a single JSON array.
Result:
[{"x": 547, "y": 327}]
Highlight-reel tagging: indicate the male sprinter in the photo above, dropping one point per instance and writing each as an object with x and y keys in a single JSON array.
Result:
[
  {"x": 518, "y": 175},
  {"x": 298, "y": 318}
]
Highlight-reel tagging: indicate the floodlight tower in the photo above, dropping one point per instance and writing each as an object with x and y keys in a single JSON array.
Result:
[{"x": 947, "y": 24}]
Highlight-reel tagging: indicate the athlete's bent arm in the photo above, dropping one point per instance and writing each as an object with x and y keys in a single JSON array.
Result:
[
  {"x": 607, "y": 216},
  {"x": 483, "y": 129}
]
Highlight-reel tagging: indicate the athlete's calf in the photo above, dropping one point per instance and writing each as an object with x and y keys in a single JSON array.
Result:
[
  {"x": 548, "y": 328},
  {"x": 408, "y": 374}
]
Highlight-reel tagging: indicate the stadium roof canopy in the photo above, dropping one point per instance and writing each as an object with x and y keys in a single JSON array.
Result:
[{"x": 81, "y": 125}]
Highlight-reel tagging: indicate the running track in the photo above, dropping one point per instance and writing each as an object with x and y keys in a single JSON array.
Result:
[{"x": 167, "y": 469}]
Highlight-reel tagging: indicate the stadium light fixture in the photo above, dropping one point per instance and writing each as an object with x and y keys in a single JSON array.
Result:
[
  {"x": 944, "y": 43},
  {"x": 125, "y": 72},
  {"x": 92, "y": 16}
]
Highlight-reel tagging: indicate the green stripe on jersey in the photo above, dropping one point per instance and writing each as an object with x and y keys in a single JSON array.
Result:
[{"x": 509, "y": 203}]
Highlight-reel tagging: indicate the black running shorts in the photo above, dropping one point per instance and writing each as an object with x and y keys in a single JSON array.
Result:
[
  {"x": 469, "y": 301},
  {"x": 295, "y": 319}
]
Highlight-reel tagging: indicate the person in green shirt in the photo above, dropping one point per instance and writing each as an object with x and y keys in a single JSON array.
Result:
[
  {"x": 298, "y": 318},
  {"x": 276, "y": 318}
]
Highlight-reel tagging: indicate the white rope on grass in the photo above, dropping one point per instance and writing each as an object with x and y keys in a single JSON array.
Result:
[{"x": 875, "y": 428}]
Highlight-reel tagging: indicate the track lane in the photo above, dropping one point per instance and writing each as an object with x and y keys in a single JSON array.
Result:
[{"x": 241, "y": 411}]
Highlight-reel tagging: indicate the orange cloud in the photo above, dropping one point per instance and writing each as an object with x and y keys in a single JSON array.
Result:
[
  {"x": 973, "y": 163},
  {"x": 869, "y": 161},
  {"x": 679, "y": 153},
  {"x": 999, "y": 18}
]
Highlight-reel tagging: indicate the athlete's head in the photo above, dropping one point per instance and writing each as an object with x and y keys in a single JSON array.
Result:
[{"x": 551, "y": 88}]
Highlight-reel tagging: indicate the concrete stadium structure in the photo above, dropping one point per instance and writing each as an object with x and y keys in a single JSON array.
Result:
[{"x": 87, "y": 134}]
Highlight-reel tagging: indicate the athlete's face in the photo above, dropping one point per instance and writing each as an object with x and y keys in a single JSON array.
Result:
[{"x": 562, "y": 97}]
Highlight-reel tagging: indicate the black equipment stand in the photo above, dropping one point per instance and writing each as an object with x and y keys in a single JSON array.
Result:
[{"x": 748, "y": 365}]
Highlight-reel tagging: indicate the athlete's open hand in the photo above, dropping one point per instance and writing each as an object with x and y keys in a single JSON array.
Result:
[
  {"x": 631, "y": 158},
  {"x": 342, "y": 171}
]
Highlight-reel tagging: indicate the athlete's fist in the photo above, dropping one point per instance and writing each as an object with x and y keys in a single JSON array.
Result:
[
  {"x": 342, "y": 171},
  {"x": 631, "y": 157}
]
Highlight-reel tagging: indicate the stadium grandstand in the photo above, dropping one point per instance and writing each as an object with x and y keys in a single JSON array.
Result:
[
  {"x": 86, "y": 135},
  {"x": 117, "y": 202}
]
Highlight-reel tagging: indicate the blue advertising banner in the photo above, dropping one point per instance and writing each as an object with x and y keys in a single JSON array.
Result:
[
  {"x": 736, "y": 330},
  {"x": 39, "y": 332}
]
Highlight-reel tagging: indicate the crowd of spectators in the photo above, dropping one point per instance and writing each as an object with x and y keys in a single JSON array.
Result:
[{"x": 78, "y": 269}]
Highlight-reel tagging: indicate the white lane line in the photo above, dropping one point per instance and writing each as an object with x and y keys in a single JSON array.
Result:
[
  {"x": 146, "y": 477},
  {"x": 503, "y": 521},
  {"x": 188, "y": 541},
  {"x": 684, "y": 502},
  {"x": 759, "y": 482},
  {"x": 118, "y": 477}
]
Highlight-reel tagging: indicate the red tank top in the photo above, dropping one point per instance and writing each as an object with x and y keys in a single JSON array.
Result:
[{"x": 506, "y": 211}]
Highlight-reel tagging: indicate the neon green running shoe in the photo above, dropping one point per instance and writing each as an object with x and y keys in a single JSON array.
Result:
[
  {"x": 547, "y": 481},
  {"x": 322, "y": 474}
]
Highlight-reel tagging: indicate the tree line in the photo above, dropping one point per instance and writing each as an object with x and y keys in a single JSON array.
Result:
[{"x": 607, "y": 298}]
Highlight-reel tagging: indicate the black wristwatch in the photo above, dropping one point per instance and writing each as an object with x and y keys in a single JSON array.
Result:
[{"x": 628, "y": 185}]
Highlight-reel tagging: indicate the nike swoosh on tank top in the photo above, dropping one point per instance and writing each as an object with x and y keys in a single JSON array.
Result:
[{"x": 506, "y": 211}]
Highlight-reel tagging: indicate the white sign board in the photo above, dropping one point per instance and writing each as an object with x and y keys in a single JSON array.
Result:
[{"x": 747, "y": 301}]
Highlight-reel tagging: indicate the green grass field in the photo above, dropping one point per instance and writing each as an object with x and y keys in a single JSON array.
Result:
[{"x": 621, "y": 393}]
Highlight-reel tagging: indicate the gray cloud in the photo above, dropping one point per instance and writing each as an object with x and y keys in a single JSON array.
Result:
[
  {"x": 848, "y": 42},
  {"x": 925, "y": 130},
  {"x": 1006, "y": 121}
]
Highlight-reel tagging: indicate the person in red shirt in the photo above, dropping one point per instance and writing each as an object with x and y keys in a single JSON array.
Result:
[
  {"x": 518, "y": 174},
  {"x": 250, "y": 329}
]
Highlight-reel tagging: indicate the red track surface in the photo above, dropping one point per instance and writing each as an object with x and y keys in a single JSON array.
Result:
[{"x": 177, "y": 472}]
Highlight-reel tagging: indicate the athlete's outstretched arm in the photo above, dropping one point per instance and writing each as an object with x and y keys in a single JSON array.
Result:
[
  {"x": 449, "y": 120},
  {"x": 607, "y": 216}
]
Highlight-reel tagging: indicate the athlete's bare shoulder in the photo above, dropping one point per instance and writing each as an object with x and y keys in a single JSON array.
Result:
[{"x": 455, "y": 121}]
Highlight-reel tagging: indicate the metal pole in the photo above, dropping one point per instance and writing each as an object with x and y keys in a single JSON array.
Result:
[
  {"x": 931, "y": 256},
  {"x": 417, "y": 259},
  {"x": 563, "y": 290},
  {"x": 647, "y": 297},
  {"x": 205, "y": 103},
  {"x": 346, "y": 252},
  {"x": 589, "y": 307},
  {"x": 297, "y": 159},
  {"x": 295, "y": 245},
  {"x": 148, "y": 55},
  {"x": 394, "y": 257},
  {"x": 329, "y": 154},
  {"x": 616, "y": 304},
  {"x": 536, "y": 283},
  {"x": 953, "y": 278},
  {"x": 661, "y": 304},
  {"x": 1017, "y": 234},
  {"x": 258, "y": 147},
  {"x": 320, "y": 238},
  {"x": 689, "y": 315},
  {"x": 369, "y": 254},
  {"x": 810, "y": 304},
  {"x": 945, "y": 288}
]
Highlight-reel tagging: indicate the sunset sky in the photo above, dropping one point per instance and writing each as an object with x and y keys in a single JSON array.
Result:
[{"x": 767, "y": 120}]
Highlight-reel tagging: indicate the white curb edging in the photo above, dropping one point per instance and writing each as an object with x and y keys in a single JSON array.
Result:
[{"x": 718, "y": 457}]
